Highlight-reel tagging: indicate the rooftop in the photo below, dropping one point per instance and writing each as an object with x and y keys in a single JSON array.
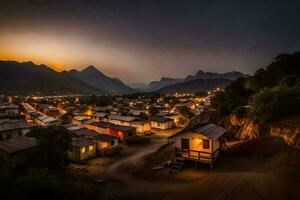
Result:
[
  {"x": 17, "y": 144},
  {"x": 121, "y": 118},
  {"x": 158, "y": 118},
  {"x": 8, "y": 125},
  {"x": 81, "y": 142}
]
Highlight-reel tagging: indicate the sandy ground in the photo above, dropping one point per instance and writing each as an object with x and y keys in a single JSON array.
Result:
[{"x": 234, "y": 178}]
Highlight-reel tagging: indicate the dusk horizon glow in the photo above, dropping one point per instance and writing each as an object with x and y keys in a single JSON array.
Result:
[{"x": 142, "y": 41}]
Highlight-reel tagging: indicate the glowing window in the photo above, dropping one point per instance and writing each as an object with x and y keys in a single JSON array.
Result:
[
  {"x": 91, "y": 148},
  {"x": 104, "y": 144},
  {"x": 83, "y": 150}
]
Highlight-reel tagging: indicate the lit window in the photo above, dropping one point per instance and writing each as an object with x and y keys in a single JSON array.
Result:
[
  {"x": 83, "y": 150},
  {"x": 91, "y": 148},
  {"x": 104, "y": 145}
]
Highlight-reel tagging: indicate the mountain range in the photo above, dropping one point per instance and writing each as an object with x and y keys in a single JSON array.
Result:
[
  {"x": 27, "y": 77},
  {"x": 97, "y": 79},
  {"x": 165, "y": 81}
]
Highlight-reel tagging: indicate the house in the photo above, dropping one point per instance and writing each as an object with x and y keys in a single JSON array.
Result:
[
  {"x": 79, "y": 131},
  {"x": 82, "y": 149},
  {"x": 15, "y": 147},
  {"x": 13, "y": 128},
  {"x": 174, "y": 116},
  {"x": 161, "y": 122},
  {"x": 106, "y": 142},
  {"x": 99, "y": 116},
  {"x": 142, "y": 127},
  {"x": 137, "y": 112},
  {"x": 202, "y": 143},
  {"x": 121, "y": 132},
  {"x": 120, "y": 120},
  {"x": 100, "y": 127},
  {"x": 8, "y": 109},
  {"x": 78, "y": 120},
  {"x": 45, "y": 120}
]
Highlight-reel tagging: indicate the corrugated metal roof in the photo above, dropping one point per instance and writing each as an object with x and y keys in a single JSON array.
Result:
[
  {"x": 14, "y": 124},
  {"x": 17, "y": 144},
  {"x": 81, "y": 142},
  {"x": 211, "y": 131},
  {"x": 121, "y": 118}
]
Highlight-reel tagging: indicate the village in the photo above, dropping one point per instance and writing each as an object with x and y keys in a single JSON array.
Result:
[
  {"x": 101, "y": 130},
  {"x": 154, "y": 144}
]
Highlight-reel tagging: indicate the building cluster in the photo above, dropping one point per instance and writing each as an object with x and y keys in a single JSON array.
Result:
[{"x": 95, "y": 129}]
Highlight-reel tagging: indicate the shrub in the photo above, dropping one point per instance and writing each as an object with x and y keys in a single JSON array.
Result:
[{"x": 271, "y": 104}]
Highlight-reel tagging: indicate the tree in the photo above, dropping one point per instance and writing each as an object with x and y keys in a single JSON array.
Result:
[
  {"x": 271, "y": 104},
  {"x": 51, "y": 148},
  {"x": 152, "y": 111},
  {"x": 186, "y": 112}
]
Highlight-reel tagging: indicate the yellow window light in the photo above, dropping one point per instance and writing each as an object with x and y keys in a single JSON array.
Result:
[
  {"x": 91, "y": 148},
  {"x": 83, "y": 150}
]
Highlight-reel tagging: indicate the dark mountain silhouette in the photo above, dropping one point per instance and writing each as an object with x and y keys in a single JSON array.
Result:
[
  {"x": 196, "y": 85},
  {"x": 97, "y": 79},
  {"x": 210, "y": 75},
  {"x": 27, "y": 77},
  {"x": 165, "y": 81}
]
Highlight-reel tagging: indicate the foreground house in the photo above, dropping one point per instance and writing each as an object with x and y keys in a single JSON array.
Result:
[
  {"x": 202, "y": 143},
  {"x": 161, "y": 122},
  {"x": 82, "y": 149}
]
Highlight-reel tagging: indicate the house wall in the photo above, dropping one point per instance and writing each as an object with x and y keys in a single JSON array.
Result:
[
  {"x": 162, "y": 125},
  {"x": 76, "y": 155},
  {"x": 118, "y": 122},
  {"x": 101, "y": 145},
  {"x": 142, "y": 128}
]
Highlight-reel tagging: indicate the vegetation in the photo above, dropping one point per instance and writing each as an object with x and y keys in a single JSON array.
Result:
[
  {"x": 51, "y": 149},
  {"x": 186, "y": 112},
  {"x": 272, "y": 103},
  {"x": 272, "y": 93}
]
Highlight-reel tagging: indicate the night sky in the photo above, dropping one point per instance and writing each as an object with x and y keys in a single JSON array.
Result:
[{"x": 143, "y": 40}]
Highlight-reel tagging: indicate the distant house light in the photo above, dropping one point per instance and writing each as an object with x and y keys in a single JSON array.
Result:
[{"x": 83, "y": 150}]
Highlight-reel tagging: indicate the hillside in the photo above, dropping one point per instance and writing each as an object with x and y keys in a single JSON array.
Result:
[
  {"x": 195, "y": 86},
  {"x": 23, "y": 78}
]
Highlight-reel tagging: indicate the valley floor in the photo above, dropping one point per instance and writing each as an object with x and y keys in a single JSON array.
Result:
[{"x": 242, "y": 174}]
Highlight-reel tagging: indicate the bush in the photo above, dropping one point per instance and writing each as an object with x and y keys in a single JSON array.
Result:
[{"x": 271, "y": 104}]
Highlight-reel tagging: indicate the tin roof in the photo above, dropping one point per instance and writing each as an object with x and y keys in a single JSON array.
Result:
[
  {"x": 14, "y": 124},
  {"x": 17, "y": 144},
  {"x": 81, "y": 142},
  {"x": 211, "y": 131},
  {"x": 121, "y": 118},
  {"x": 158, "y": 118}
]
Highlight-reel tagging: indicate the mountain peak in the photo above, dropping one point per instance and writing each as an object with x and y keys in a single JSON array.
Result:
[
  {"x": 200, "y": 73},
  {"x": 91, "y": 68}
]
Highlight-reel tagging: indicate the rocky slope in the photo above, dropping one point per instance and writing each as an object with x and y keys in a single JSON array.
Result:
[{"x": 246, "y": 129}]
